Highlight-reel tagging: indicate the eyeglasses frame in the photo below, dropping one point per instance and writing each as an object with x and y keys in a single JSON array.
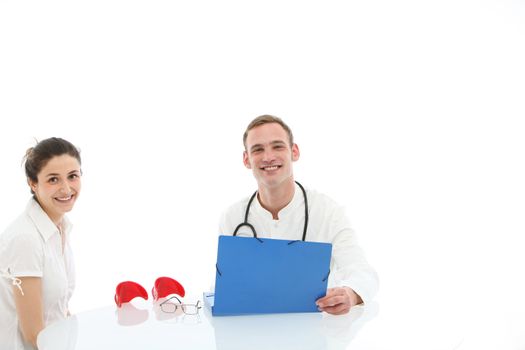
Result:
[{"x": 182, "y": 306}]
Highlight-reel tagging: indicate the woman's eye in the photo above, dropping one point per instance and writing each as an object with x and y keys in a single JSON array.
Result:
[
  {"x": 73, "y": 176},
  {"x": 53, "y": 180}
]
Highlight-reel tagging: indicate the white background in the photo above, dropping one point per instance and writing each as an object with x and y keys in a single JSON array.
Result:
[{"x": 410, "y": 113}]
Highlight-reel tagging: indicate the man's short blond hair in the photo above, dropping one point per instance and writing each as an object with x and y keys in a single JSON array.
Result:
[{"x": 267, "y": 119}]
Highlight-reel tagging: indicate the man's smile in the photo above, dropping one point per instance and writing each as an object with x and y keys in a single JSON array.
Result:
[{"x": 270, "y": 167}]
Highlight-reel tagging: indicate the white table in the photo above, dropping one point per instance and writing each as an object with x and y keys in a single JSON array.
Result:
[
  {"x": 419, "y": 324},
  {"x": 141, "y": 325}
]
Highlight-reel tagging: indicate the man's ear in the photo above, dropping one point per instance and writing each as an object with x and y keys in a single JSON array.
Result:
[
  {"x": 295, "y": 152},
  {"x": 246, "y": 160}
]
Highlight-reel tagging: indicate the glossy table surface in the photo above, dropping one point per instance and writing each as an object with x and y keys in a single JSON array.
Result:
[
  {"x": 135, "y": 326},
  {"x": 142, "y": 325}
]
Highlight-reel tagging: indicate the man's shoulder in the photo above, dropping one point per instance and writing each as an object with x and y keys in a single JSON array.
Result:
[
  {"x": 232, "y": 216},
  {"x": 320, "y": 199},
  {"x": 239, "y": 206}
]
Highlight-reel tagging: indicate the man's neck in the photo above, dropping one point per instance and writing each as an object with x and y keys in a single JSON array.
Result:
[{"x": 276, "y": 198}]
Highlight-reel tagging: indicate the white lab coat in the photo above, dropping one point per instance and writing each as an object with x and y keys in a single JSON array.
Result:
[{"x": 327, "y": 223}]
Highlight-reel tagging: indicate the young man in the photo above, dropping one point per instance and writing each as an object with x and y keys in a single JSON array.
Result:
[{"x": 278, "y": 211}]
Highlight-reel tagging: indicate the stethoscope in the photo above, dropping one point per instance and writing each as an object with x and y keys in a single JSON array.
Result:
[{"x": 246, "y": 223}]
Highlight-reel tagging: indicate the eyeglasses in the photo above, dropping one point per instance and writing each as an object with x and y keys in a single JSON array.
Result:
[{"x": 174, "y": 305}]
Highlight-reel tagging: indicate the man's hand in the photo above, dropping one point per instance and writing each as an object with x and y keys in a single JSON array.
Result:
[{"x": 339, "y": 300}]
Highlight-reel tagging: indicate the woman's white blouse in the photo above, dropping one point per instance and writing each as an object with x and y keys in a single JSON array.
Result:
[{"x": 32, "y": 247}]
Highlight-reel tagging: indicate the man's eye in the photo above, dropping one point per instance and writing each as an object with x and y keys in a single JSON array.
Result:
[{"x": 257, "y": 150}]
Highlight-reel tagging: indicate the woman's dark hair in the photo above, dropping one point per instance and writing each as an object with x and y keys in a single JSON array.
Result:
[{"x": 37, "y": 157}]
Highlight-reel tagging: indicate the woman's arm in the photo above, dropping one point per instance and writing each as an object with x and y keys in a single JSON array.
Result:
[{"x": 29, "y": 308}]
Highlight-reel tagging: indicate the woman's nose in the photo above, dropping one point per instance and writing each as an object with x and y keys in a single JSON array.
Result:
[{"x": 64, "y": 187}]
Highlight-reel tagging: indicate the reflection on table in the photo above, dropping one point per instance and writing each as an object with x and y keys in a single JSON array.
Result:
[{"x": 142, "y": 325}]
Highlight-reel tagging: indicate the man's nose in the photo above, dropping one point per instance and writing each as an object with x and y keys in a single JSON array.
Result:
[{"x": 268, "y": 155}]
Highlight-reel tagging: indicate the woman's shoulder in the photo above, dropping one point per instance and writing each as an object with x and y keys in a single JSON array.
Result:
[{"x": 21, "y": 229}]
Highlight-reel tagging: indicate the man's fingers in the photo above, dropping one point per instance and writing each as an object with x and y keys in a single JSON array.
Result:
[
  {"x": 336, "y": 302},
  {"x": 330, "y": 301},
  {"x": 337, "y": 309},
  {"x": 335, "y": 291}
]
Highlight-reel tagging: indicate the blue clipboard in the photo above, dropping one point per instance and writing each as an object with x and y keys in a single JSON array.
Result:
[{"x": 262, "y": 275}]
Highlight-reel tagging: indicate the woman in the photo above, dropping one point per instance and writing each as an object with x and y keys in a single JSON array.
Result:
[{"x": 36, "y": 263}]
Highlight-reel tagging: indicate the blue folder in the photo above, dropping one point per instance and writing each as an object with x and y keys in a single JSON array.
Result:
[{"x": 262, "y": 275}]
